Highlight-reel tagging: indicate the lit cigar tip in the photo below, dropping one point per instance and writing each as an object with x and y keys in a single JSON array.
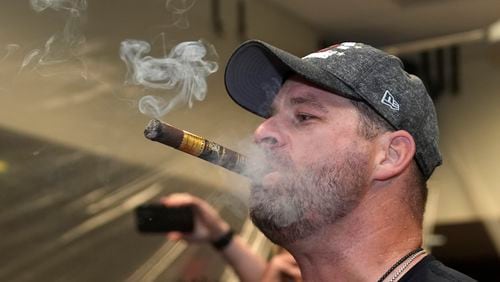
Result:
[{"x": 153, "y": 129}]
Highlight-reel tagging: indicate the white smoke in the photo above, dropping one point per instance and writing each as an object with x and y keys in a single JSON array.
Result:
[
  {"x": 9, "y": 50},
  {"x": 176, "y": 10},
  {"x": 73, "y": 6},
  {"x": 63, "y": 46},
  {"x": 183, "y": 69}
]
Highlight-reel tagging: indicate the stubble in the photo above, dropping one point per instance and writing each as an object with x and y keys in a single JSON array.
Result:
[{"x": 308, "y": 198}]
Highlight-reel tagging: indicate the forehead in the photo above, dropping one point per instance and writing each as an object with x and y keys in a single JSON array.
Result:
[{"x": 297, "y": 91}]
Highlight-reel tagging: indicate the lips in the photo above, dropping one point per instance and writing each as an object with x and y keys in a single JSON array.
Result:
[
  {"x": 269, "y": 168},
  {"x": 271, "y": 178}
]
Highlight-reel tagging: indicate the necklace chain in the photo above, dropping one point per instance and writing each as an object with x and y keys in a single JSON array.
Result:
[
  {"x": 405, "y": 265},
  {"x": 411, "y": 256}
]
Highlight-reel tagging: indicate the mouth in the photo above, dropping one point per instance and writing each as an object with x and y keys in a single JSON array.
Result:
[
  {"x": 271, "y": 178},
  {"x": 266, "y": 179},
  {"x": 271, "y": 170}
]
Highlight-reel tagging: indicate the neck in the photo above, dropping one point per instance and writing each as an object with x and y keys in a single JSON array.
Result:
[{"x": 361, "y": 246}]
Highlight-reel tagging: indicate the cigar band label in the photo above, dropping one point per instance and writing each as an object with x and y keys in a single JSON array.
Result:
[
  {"x": 192, "y": 144},
  {"x": 241, "y": 161},
  {"x": 217, "y": 150}
]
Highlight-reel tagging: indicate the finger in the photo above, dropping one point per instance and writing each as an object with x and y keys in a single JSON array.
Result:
[
  {"x": 287, "y": 257},
  {"x": 292, "y": 271},
  {"x": 174, "y": 236},
  {"x": 201, "y": 208},
  {"x": 285, "y": 263},
  {"x": 177, "y": 199}
]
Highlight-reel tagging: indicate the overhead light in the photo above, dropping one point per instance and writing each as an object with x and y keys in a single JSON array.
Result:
[
  {"x": 494, "y": 32},
  {"x": 436, "y": 42},
  {"x": 490, "y": 34}
]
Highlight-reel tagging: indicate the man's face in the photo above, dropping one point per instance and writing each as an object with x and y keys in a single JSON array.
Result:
[{"x": 317, "y": 163}]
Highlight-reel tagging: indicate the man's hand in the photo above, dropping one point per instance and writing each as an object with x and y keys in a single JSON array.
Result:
[
  {"x": 282, "y": 267},
  {"x": 208, "y": 225}
]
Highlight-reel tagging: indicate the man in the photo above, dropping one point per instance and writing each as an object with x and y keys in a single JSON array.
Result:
[{"x": 350, "y": 140}]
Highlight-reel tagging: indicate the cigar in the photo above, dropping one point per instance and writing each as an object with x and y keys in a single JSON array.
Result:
[{"x": 195, "y": 145}]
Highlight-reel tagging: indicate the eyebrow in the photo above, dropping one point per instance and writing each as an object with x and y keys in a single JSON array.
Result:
[{"x": 310, "y": 100}]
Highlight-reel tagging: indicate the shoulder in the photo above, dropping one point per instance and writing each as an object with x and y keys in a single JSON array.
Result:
[{"x": 430, "y": 269}]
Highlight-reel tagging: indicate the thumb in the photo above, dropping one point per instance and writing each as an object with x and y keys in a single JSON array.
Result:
[{"x": 174, "y": 236}]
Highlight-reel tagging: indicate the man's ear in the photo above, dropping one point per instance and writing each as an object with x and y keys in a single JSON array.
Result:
[{"x": 395, "y": 152}]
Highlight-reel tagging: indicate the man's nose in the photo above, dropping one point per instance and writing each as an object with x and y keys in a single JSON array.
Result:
[{"x": 267, "y": 134}]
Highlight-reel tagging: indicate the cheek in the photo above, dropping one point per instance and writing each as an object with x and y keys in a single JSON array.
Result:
[
  {"x": 324, "y": 148},
  {"x": 312, "y": 150}
]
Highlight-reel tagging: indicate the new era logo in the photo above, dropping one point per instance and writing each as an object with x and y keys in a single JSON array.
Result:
[{"x": 389, "y": 100}]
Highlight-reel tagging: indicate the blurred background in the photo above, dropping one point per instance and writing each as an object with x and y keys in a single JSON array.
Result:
[{"x": 74, "y": 162}]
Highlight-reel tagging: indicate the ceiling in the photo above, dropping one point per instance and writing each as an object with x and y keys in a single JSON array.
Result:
[{"x": 385, "y": 22}]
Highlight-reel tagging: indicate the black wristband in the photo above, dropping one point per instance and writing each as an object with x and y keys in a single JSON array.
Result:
[{"x": 223, "y": 241}]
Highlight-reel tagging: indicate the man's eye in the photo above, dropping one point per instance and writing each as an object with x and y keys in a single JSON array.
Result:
[{"x": 304, "y": 117}]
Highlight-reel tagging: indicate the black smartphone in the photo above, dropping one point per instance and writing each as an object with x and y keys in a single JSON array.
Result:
[{"x": 157, "y": 218}]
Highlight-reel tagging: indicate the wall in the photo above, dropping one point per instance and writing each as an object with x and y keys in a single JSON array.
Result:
[
  {"x": 73, "y": 158},
  {"x": 466, "y": 186}
]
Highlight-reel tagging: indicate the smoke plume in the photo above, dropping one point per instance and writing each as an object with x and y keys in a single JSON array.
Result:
[
  {"x": 9, "y": 49},
  {"x": 63, "y": 46},
  {"x": 176, "y": 10},
  {"x": 73, "y": 6},
  {"x": 184, "y": 70}
]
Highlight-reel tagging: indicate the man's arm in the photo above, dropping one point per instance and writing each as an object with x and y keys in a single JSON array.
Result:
[{"x": 209, "y": 227}]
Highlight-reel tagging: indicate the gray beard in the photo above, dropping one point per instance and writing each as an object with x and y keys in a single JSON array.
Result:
[{"x": 305, "y": 201}]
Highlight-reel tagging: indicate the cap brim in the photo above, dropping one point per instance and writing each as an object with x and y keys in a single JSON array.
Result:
[{"x": 256, "y": 71}]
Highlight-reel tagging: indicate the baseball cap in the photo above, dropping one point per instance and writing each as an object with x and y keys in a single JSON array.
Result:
[{"x": 256, "y": 71}]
